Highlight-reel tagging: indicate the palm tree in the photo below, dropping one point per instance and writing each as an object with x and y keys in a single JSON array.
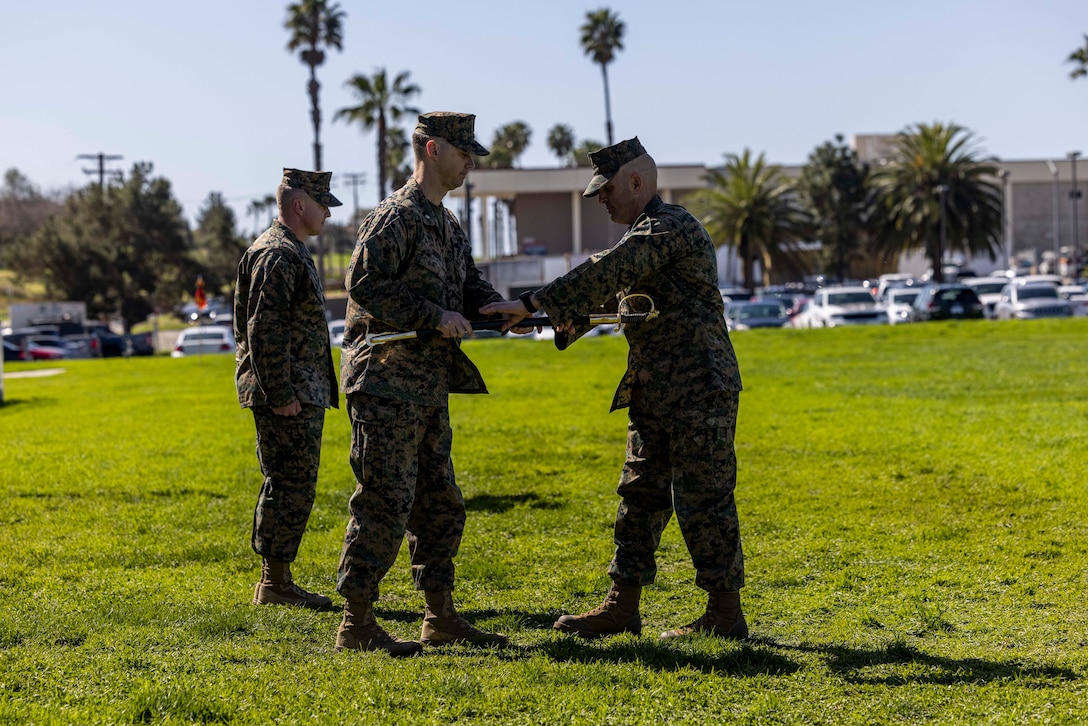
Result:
[
  {"x": 499, "y": 158},
  {"x": 752, "y": 207},
  {"x": 257, "y": 207},
  {"x": 561, "y": 142},
  {"x": 602, "y": 36},
  {"x": 1080, "y": 57},
  {"x": 834, "y": 189},
  {"x": 314, "y": 25},
  {"x": 935, "y": 194},
  {"x": 379, "y": 103},
  {"x": 514, "y": 138},
  {"x": 579, "y": 155}
]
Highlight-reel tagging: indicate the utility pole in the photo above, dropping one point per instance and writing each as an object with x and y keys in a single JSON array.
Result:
[
  {"x": 102, "y": 159},
  {"x": 354, "y": 179}
]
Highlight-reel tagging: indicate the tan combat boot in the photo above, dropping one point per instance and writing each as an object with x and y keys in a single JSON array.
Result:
[
  {"x": 617, "y": 614},
  {"x": 723, "y": 617},
  {"x": 443, "y": 626},
  {"x": 277, "y": 588},
  {"x": 359, "y": 630}
]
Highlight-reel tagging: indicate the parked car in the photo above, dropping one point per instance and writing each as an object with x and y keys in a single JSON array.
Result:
[
  {"x": 65, "y": 348},
  {"x": 213, "y": 309},
  {"x": 801, "y": 317},
  {"x": 893, "y": 281},
  {"x": 204, "y": 339},
  {"x": 1032, "y": 300},
  {"x": 946, "y": 301},
  {"x": 729, "y": 294},
  {"x": 834, "y": 306},
  {"x": 12, "y": 351},
  {"x": 790, "y": 296},
  {"x": 988, "y": 290},
  {"x": 897, "y": 302},
  {"x": 110, "y": 344},
  {"x": 139, "y": 344},
  {"x": 1032, "y": 279},
  {"x": 336, "y": 332},
  {"x": 748, "y": 315},
  {"x": 1077, "y": 295}
]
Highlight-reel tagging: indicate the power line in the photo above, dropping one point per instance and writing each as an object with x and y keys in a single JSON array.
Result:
[{"x": 101, "y": 171}]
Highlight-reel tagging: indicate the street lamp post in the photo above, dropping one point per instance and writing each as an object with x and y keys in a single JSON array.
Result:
[
  {"x": 942, "y": 190},
  {"x": 1056, "y": 222},
  {"x": 1074, "y": 194}
]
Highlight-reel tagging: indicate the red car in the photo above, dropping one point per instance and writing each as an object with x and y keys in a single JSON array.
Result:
[{"x": 31, "y": 351}]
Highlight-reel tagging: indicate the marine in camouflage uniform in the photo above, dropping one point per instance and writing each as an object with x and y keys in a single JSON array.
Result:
[
  {"x": 412, "y": 268},
  {"x": 285, "y": 375},
  {"x": 681, "y": 389}
]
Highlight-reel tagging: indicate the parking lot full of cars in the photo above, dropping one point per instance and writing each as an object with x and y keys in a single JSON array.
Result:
[{"x": 897, "y": 298}]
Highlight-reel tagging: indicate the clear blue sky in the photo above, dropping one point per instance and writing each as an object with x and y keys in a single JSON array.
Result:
[{"x": 207, "y": 91}]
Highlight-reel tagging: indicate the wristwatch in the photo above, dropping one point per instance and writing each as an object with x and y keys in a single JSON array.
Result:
[{"x": 527, "y": 300}]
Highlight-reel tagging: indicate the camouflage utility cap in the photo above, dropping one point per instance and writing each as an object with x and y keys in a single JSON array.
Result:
[
  {"x": 607, "y": 161},
  {"x": 456, "y": 128},
  {"x": 314, "y": 183}
]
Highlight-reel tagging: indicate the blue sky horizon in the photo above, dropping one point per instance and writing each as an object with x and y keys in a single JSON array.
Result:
[{"x": 208, "y": 93}]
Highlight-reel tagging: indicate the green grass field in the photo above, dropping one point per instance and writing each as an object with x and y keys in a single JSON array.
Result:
[{"x": 912, "y": 503}]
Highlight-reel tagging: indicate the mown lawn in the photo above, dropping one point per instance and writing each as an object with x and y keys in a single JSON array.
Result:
[{"x": 912, "y": 503}]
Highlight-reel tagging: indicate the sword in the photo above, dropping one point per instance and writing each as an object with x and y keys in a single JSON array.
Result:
[{"x": 531, "y": 322}]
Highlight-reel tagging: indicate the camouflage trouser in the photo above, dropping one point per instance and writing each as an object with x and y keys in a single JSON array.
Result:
[
  {"x": 289, "y": 451},
  {"x": 400, "y": 453},
  {"x": 686, "y": 463}
]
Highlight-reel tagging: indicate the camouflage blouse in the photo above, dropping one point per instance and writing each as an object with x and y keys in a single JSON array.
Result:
[
  {"x": 280, "y": 327},
  {"x": 411, "y": 263},
  {"x": 685, "y": 353}
]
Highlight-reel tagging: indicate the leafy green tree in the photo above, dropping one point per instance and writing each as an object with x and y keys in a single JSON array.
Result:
[
  {"x": 123, "y": 249},
  {"x": 936, "y": 186},
  {"x": 379, "y": 103},
  {"x": 23, "y": 210},
  {"x": 1080, "y": 58},
  {"x": 834, "y": 189},
  {"x": 602, "y": 36},
  {"x": 508, "y": 143},
  {"x": 580, "y": 154},
  {"x": 561, "y": 142},
  {"x": 217, "y": 244},
  {"x": 314, "y": 26},
  {"x": 752, "y": 206}
]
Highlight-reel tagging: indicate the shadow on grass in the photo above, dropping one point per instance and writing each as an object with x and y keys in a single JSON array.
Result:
[
  {"x": 499, "y": 503},
  {"x": 899, "y": 664},
  {"x": 896, "y": 664},
  {"x": 11, "y": 403},
  {"x": 400, "y": 615},
  {"x": 745, "y": 659}
]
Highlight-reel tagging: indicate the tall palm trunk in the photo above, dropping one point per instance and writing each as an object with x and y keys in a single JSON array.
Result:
[
  {"x": 381, "y": 156},
  {"x": 749, "y": 269},
  {"x": 607, "y": 104},
  {"x": 315, "y": 114}
]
